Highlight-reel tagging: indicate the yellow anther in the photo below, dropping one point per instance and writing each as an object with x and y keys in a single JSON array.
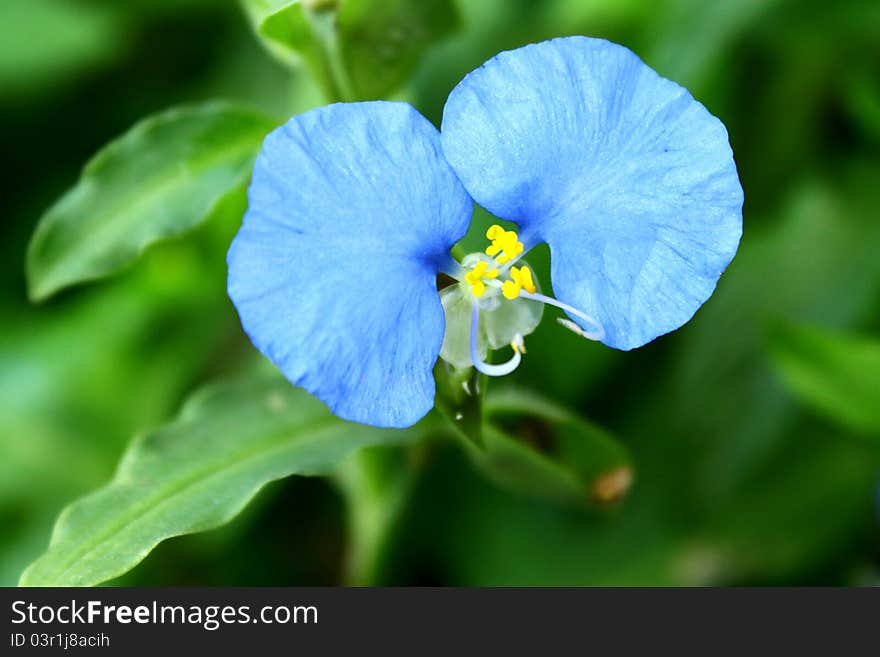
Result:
[
  {"x": 504, "y": 242},
  {"x": 520, "y": 277},
  {"x": 527, "y": 281},
  {"x": 510, "y": 290},
  {"x": 476, "y": 275},
  {"x": 494, "y": 231}
]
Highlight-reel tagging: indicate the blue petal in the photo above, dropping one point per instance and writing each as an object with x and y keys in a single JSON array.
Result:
[
  {"x": 352, "y": 211},
  {"x": 630, "y": 181}
]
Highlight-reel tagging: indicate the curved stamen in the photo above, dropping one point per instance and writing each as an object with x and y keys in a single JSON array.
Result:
[
  {"x": 597, "y": 334},
  {"x": 487, "y": 368}
]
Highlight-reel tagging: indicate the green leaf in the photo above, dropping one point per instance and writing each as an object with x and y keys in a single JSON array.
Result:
[
  {"x": 303, "y": 33},
  {"x": 357, "y": 49},
  {"x": 382, "y": 40},
  {"x": 283, "y": 28},
  {"x": 811, "y": 506},
  {"x": 197, "y": 473},
  {"x": 160, "y": 179},
  {"x": 835, "y": 373},
  {"x": 535, "y": 447}
]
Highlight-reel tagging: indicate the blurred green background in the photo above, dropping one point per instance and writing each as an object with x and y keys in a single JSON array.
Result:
[{"x": 754, "y": 431}]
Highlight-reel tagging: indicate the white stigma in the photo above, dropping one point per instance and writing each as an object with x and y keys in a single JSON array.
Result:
[{"x": 598, "y": 332}]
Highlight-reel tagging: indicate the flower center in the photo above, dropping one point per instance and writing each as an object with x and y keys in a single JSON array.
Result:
[
  {"x": 476, "y": 275},
  {"x": 506, "y": 249},
  {"x": 494, "y": 306}
]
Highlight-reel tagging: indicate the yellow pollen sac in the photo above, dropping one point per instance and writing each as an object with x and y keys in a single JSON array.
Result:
[
  {"x": 520, "y": 278},
  {"x": 494, "y": 231},
  {"x": 528, "y": 282},
  {"x": 476, "y": 275},
  {"x": 504, "y": 242}
]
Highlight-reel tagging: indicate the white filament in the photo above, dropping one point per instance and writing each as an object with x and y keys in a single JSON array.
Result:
[
  {"x": 597, "y": 334},
  {"x": 487, "y": 368}
]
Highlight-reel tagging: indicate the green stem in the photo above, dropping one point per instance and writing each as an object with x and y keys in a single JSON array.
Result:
[
  {"x": 376, "y": 484},
  {"x": 331, "y": 64},
  {"x": 459, "y": 399}
]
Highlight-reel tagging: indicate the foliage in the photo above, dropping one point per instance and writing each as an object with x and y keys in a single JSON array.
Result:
[
  {"x": 742, "y": 449},
  {"x": 839, "y": 375},
  {"x": 196, "y": 473},
  {"x": 160, "y": 179}
]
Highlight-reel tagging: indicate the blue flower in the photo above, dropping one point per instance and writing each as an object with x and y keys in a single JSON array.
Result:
[
  {"x": 629, "y": 180},
  {"x": 353, "y": 210}
]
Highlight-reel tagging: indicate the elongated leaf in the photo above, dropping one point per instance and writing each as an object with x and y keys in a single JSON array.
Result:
[
  {"x": 535, "y": 447},
  {"x": 160, "y": 179},
  {"x": 197, "y": 473},
  {"x": 837, "y": 374}
]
